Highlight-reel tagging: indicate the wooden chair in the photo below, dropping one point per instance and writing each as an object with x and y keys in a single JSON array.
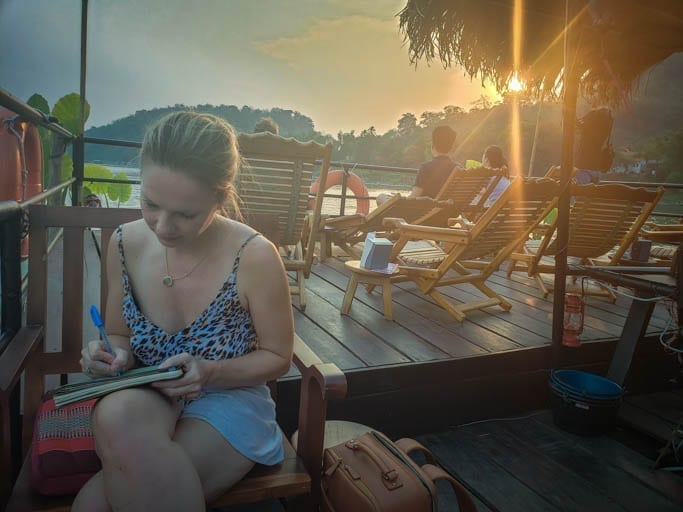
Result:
[
  {"x": 50, "y": 344},
  {"x": 276, "y": 182},
  {"x": 468, "y": 190},
  {"x": 604, "y": 221},
  {"x": 472, "y": 254},
  {"x": 348, "y": 230}
]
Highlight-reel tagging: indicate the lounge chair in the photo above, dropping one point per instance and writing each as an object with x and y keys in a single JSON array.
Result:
[
  {"x": 348, "y": 230},
  {"x": 463, "y": 194},
  {"x": 472, "y": 254},
  {"x": 604, "y": 221},
  {"x": 468, "y": 190},
  {"x": 275, "y": 183}
]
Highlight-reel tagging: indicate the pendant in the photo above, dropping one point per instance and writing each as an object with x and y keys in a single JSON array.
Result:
[{"x": 168, "y": 281}]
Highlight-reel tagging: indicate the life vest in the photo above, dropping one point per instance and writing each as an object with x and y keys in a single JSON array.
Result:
[{"x": 21, "y": 161}]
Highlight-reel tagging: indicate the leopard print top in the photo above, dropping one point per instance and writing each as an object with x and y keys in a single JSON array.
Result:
[{"x": 222, "y": 331}]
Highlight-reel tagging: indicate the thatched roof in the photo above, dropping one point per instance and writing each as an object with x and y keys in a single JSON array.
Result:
[{"x": 619, "y": 40}]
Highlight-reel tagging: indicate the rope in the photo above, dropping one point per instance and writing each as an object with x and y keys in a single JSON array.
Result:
[{"x": 22, "y": 154}]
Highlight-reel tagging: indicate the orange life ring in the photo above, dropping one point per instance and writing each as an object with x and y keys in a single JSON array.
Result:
[
  {"x": 353, "y": 181},
  {"x": 20, "y": 150}
]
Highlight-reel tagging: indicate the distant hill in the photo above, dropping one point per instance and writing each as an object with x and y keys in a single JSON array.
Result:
[{"x": 132, "y": 128}]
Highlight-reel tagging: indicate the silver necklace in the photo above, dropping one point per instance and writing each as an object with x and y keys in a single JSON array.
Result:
[{"x": 168, "y": 279}]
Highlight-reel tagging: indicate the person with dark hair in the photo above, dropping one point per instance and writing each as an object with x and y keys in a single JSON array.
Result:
[
  {"x": 493, "y": 158},
  {"x": 433, "y": 174},
  {"x": 191, "y": 288},
  {"x": 594, "y": 152},
  {"x": 267, "y": 124}
]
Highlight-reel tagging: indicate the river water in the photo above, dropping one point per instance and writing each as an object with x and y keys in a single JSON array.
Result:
[{"x": 330, "y": 205}]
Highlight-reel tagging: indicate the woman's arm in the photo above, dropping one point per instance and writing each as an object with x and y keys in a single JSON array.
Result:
[{"x": 94, "y": 356}]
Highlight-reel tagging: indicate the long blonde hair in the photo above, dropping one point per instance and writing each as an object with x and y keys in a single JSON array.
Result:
[{"x": 202, "y": 146}]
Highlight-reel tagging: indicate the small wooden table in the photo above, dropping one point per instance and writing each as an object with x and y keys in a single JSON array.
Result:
[{"x": 365, "y": 276}]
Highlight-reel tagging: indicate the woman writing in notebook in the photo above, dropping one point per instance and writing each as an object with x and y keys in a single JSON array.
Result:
[{"x": 190, "y": 288}]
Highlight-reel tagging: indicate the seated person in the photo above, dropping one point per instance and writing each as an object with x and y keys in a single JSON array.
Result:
[
  {"x": 267, "y": 124},
  {"x": 193, "y": 288},
  {"x": 594, "y": 152},
  {"x": 494, "y": 159},
  {"x": 433, "y": 174}
]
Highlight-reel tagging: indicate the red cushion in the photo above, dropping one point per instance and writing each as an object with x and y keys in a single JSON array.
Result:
[{"x": 63, "y": 454}]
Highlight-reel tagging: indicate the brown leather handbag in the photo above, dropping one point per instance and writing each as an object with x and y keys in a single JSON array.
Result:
[{"x": 372, "y": 473}]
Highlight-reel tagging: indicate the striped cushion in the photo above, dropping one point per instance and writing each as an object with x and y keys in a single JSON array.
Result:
[{"x": 63, "y": 454}]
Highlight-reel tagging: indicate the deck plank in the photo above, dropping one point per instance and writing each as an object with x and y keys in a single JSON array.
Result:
[
  {"x": 638, "y": 466},
  {"x": 528, "y": 463},
  {"x": 482, "y": 475},
  {"x": 392, "y": 333},
  {"x": 599, "y": 472},
  {"x": 367, "y": 347},
  {"x": 423, "y": 327}
]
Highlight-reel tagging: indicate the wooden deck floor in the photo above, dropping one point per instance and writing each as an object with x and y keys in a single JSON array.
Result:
[
  {"x": 425, "y": 370},
  {"x": 529, "y": 464},
  {"x": 423, "y": 332}
]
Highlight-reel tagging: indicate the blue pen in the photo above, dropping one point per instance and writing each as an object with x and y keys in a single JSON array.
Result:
[{"x": 97, "y": 320}]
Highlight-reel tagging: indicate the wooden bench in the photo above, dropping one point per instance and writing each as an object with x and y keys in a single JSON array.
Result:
[{"x": 51, "y": 325}]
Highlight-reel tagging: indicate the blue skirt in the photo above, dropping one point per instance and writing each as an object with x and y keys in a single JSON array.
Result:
[{"x": 245, "y": 417}]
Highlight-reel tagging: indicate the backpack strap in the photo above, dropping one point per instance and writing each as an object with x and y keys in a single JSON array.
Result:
[
  {"x": 409, "y": 445},
  {"x": 465, "y": 502}
]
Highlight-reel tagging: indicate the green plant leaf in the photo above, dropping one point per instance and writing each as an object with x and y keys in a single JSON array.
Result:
[
  {"x": 120, "y": 192},
  {"x": 39, "y": 102},
  {"x": 97, "y": 171},
  {"x": 67, "y": 167},
  {"x": 68, "y": 111}
]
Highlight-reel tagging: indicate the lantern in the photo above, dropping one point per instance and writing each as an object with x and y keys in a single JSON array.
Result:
[{"x": 573, "y": 320}]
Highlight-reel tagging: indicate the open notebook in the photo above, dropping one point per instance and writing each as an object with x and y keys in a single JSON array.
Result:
[{"x": 94, "y": 388}]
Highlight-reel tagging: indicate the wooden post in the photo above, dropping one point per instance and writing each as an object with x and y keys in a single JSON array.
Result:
[{"x": 571, "y": 87}]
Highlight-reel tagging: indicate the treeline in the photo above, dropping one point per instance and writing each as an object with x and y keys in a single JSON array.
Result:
[
  {"x": 649, "y": 126},
  {"x": 133, "y": 127}
]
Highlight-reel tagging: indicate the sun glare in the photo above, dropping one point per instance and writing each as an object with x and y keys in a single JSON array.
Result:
[{"x": 515, "y": 84}]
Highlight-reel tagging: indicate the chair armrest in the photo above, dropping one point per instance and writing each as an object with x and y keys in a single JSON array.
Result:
[
  {"x": 673, "y": 236},
  {"x": 319, "y": 383},
  {"x": 15, "y": 356},
  {"x": 414, "y": 231},
  {"x": 345, "y": 221}
]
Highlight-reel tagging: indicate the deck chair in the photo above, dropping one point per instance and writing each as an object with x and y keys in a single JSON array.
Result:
[
  {"x": 348, "y": 230},
  {"x": 468, "y": 190},
  {"x": 471, "y": 255},
  {"x": 275, "y": 182},
  {"x": 51, "y": 341},
  {"x": 604, "y": 221}
]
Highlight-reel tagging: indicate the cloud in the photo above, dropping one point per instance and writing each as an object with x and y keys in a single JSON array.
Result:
[{"x": 356, "y": 73}]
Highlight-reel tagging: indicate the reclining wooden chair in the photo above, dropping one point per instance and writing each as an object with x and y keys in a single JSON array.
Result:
[
  {"x": 276, "y": 182},
  {"x": 468, "y": 190},
  {"x": 50, "y": 344},
  {"x": 473, "y": 252},
  {"x": 463, "y": 194},
  {"x": 604, "y": 221},
  {"x": 348, "y": 230}
]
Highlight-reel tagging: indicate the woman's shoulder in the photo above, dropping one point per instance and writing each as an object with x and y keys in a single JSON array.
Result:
[
  {"x": 135, "y": 233},
  {"x": 253, "y": 243}
]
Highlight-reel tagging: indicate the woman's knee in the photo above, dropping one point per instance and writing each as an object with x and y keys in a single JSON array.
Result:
[{"x": 129, "y": 417}]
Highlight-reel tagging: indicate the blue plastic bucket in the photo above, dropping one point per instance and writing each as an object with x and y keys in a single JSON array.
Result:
[
  {"x": 584, "y": 403},
  {"x": 582, "y": 384}
]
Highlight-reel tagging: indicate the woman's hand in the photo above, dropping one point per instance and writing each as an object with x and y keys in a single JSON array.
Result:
[
  {"x": 189, "y": 386},
  {"x": 97, "y": 362}
]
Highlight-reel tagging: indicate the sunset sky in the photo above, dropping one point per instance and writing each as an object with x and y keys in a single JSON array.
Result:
[{"x": 341, "y": 62}]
